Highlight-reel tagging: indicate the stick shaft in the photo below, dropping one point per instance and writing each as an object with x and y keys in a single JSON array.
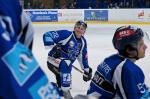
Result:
[{"x": 77, "y": 69}]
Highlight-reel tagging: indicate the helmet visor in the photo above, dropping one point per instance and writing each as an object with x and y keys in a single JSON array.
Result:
[{"x": 146, "y": 38}]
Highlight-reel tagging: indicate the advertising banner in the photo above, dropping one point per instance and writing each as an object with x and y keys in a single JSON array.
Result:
[
  {"x": 143, "y": 15},
  {"x": 42, "y": 15},
  {"x": 129, "y": 15},
  {"x": 96, "y": 15},
  {"x": 70, "y": 15}
]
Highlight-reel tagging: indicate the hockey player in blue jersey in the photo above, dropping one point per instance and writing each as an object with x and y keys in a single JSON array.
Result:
[
  {"x": 118, "y": 77},
  {"x": 68, "y": 46},
  {"x": 20, "y": 75}
]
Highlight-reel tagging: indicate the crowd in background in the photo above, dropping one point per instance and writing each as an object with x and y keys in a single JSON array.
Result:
[{"x": 84, "y": 4}]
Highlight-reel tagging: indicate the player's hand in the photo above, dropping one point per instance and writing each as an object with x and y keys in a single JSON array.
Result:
[
  {"x": 87, "y": 75},
  {"x": 57, "y": 50}
]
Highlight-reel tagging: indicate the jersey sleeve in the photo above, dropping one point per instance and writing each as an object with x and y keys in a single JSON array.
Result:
[
  {"x": 133, "y": 84},
  {"x": 55, "y": 37},
  {"x": 83, "y": 56},
  {"x": 8, "y": 37}
]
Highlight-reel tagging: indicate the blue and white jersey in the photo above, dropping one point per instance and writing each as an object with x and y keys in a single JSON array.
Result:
[
  {"x": 72, "y": 48},
  {"x": 20, "y": 74},
  {"x": 118, "y": 78}
]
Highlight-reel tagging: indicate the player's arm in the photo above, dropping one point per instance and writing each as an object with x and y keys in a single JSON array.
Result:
[
  {"x": 83, "y": 61},
  {"x": 55, "y": 37}
]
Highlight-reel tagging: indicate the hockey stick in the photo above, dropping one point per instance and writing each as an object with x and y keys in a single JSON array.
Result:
[
  {"x": 80, "y": 71},
  {"x": 56, "y": 70}
]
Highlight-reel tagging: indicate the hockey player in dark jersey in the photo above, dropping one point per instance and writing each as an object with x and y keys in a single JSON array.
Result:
[
  {"x": 118, "y": 77},
  {"x": 68, "y": 46},
  {"x": 20, "y": 75}
]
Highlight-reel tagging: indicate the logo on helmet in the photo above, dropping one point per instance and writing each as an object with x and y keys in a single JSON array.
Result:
[{"x": 125, "y": 33}]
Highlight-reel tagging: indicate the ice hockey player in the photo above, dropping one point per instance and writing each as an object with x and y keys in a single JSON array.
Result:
[
  {"x": 118, "y": 77},
  {"x": 20, "y": 75},
  {"x": 68, "y": 46}
]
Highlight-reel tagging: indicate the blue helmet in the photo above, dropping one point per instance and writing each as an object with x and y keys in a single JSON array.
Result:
[{"x": 126, "y": 37}]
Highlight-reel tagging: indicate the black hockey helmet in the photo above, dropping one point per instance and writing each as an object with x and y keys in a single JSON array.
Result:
[
  {"x": 127, "y": 37},
  {"x": 81, "y": 23}
]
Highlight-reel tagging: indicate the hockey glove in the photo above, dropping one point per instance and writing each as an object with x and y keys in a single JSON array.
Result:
[
  {"x": 87, "y": 75},
  {"x": 57, "y": 50}
]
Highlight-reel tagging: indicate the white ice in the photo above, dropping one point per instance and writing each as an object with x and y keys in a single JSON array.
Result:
[{"x": 99, "y": 39}]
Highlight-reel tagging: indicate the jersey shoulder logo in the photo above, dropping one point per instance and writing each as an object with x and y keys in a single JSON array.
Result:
[
  {"x": 71, "y": 44},
  {"x": 21, "y": 63}
]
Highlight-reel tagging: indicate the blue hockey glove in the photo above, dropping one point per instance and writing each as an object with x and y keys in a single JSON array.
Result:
[{"x": 87, "y": 75}]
